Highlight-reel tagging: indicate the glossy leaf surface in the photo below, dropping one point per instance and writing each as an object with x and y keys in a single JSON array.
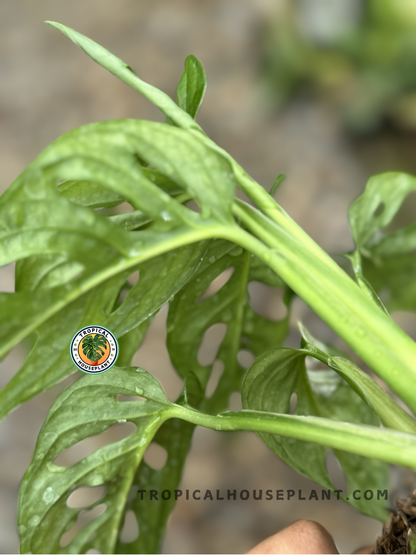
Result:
[
  {"x": 388, "y": 258},
  {"x": 269, "y": 386},
  {"x": 160, "y": 278},
  {"x": 191, "y": 315},
  {"x": 44, "y": 515},
  {"x": 192, "y": 85}
]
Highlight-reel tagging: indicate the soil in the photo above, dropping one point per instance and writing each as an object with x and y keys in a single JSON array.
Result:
[{"x": 400, "y": 528}]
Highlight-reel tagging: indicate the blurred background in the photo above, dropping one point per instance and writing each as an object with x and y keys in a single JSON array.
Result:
[{"x": 323, "y": 91}]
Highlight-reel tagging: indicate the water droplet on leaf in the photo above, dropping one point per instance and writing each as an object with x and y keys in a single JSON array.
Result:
[
  {"x": 49, "y": 495},
  {"x": 236, "y": 251},
  {"x": 34, "y": 521}
]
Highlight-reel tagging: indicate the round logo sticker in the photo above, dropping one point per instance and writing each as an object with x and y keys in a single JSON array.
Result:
[{"x": 94, "y": 349}]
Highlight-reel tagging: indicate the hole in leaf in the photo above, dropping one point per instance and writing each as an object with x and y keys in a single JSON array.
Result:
[
  {"x": 293, "y": 403},
  {"x": 7, "y": 277},
  {"x": 234, "y": 402},
  {"x": 267, "y": 301},
  {"x": 193, "y": 205},
  {"x": 85, "y": 496},
  {"x": 380, "y": 209},
  {"x": 312, "y": 363},
  {"x": 125, "y": 290},
  {"x": 84, "y": 518},
  {"x": 134, "y": 278},
  {"x": 216, "y": 373},
  {"x": 405, "y": 215},
  {"x": 216, "y": 284},
  {"x": 155, "y": 456},
  {"x": 92, "y": 550},
  {"x": 153, "y": 355},
  {"x": 335, "y": 472},
  {"x": 245, "y": 358},
  {"x": 130, "y": 531},
  {"x": 121, "y": 297},
  {"x": 210, "y": 343},
  {"x": 124, "y": 398},
  {"x": 123, "y": 208},
  {"x": 89, "y": 445}
]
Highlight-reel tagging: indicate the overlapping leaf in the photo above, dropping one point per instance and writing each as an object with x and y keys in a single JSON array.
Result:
[
  {"x": 389, "y": 412},
  {"x": 43, "y": 513},
  {"x": 388, "y": 259},
  {"x": 37, "y": 220},
  {"x": 269, "y": 385},
  {"x": 160, "y": 278},
  {"x": 72, "y": 264},
  {"x": 189, "y": 320},
  {"x": 175, "y": 436},
  {"x": 66, "y": 249}
]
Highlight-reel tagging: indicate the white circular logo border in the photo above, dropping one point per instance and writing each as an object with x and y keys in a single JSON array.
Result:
[{"x": 88, "y": 368}]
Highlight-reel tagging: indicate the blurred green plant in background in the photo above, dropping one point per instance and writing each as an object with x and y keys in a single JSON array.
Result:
[{"x": 357, "y": 55}]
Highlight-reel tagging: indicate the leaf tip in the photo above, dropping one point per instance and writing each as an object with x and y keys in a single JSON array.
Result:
[{"x": 51, "y": 23}]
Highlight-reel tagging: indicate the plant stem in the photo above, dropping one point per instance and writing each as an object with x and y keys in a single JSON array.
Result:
[
  {"x": 386, "y": 445},
  {"x": 336, "y": 298}
]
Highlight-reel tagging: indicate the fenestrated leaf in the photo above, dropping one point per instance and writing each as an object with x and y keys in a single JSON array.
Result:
[
  {"x": 175, "y": 436},
  {"x": 377, "y": 206},
  {"x": 160, "y": 278},
  {"x": 192, "y": 85},
  {"x": 269, "y": 385},
  {"x": 91, "y": 194},
  {"x": 129, "y": 342},
  {"x": 386, "y": 260},
  {"x": 43, "y": 513},
  {"x": 37, "y": 220},
  {"x": 188, "y": 320}
]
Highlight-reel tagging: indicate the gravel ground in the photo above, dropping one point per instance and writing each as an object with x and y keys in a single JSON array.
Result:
[{"x": 48, "y": 86}]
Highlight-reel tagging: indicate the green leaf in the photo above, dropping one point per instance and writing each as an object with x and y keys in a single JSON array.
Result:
[
  {"x": 365, "y": 285},
  {"x": 37, "y": 220},
  {"x": 192, "y": 86},
  {"x": 175, "y": 436},
  {"x": 43, "y": 513},
  {"x": 393, "y": 277},
  {"x": 118, "y": 68},
  {"x": 90, "y": 406},
  {"x": 130, "y": 342},
  {"x": 390, "y": 413},
  {"x": 189, "y": 318},
  {"x": 385, "y": 261},
  {"x": 269, "y": 385},
  {"x": 89, "y": 194},
  {"x": 160, "y": 278},
  {"x": 378, "y": 205},
  {"x": 93, "y": 195}
]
